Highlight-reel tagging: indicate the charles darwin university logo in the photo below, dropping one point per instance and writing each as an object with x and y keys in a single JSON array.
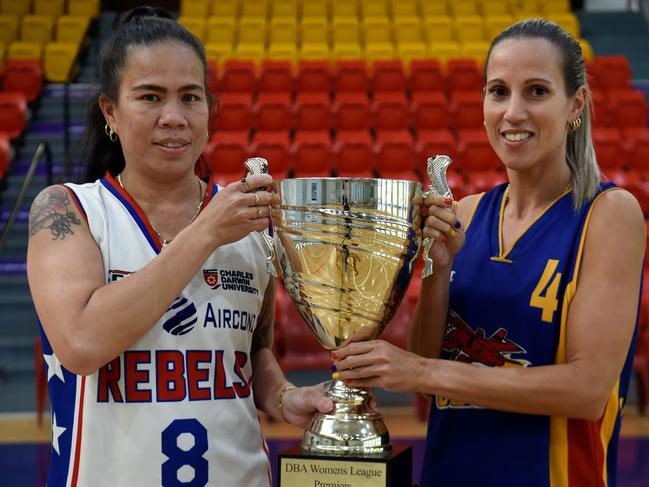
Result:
[{"x": 211, "y": 277}]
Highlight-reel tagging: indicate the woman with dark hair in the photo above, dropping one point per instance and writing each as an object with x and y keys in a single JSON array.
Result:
[
  {"x": 150, "y": 283},
  {"x": 524, "y": 334}
]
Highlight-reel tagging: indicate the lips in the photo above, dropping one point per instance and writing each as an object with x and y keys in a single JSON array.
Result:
[
  {"x": 517, "y": 136},
  {"x": 172, "y": 143}
]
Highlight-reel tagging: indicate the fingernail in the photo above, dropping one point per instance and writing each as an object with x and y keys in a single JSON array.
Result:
[
  {"x": 334, "y": 355},
  {"x": 458, "y": 224},
  {"x": 448, "y": 201},
  {"x": 333, "y": 367},
  {"x": 335, "y": 375}
]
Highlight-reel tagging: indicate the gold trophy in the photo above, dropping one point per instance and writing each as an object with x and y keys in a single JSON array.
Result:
[{"x": 347, "y": 248}]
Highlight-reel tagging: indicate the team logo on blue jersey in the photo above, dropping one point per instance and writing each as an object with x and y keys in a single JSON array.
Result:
[
  {"x": 473, "y": 346},
  {"x": 181, "y": 317},
  {"x": 211, "y": 277},
  {"x": 230, "y": 280}
]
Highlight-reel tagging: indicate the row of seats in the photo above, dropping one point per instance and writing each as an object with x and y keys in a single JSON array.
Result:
[
  {"x": 369, "y": 8},
  {"x": 55, "y": 8},
  {"x": 43, "y": 28}
]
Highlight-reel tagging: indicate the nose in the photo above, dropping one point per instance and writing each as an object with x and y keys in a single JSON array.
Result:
[
  {"x": 172, "y": 114},
  {"x": 516, "y": 110}
]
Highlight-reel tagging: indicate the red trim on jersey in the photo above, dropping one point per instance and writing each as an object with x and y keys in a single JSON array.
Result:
[
  {"x": 77, "y": 203},
  {"x": 586, "y": 455},
  {"x": 77, "y": 450}
]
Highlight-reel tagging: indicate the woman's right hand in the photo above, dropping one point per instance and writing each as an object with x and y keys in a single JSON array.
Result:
[{"x": 443, "y": 226}]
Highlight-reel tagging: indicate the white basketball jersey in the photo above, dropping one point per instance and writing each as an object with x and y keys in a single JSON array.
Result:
[{"x": 177, "y": 407}]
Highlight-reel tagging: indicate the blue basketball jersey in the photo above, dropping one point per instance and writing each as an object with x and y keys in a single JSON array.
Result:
[{"x": 508, "y": 308}]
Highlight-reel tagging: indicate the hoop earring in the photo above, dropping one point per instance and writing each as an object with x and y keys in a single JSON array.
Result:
[
  {"x": 574, "y": 124},
  {"x": 111, "y": 135}
]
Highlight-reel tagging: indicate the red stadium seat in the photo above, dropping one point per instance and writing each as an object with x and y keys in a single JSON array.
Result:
[
  {"x": 313, "y": 76},
  {"x": 466, "y": 110},
  {"x": 429, "y": 110},
  {"x": 235, "y": 112},
  {"x": 611, "y": 72},
  {"x": 312, "y": 156},
  {"x": 212, "y": 77},
  {"x": 273, "y": 111},
  {"x": 353, "y": 154},
  {"x": 13, "y": 113},
  {"x": 238, "y": 75},
  {"x": 276, "y": 76},
  {"x": 395, "y": 156},
  {"x": 601, "y": 114},
  {"x": 350, "y": 75},
  {"x": 480, "y": 181},
  {"x": 426, "y": 75},
  {"x": 608, "y": 148},
  {"x": 628, "y": 108},
  {"x": 24, "y": 76},
  {"x": 351, "y": 111},
  {"x": 464, "y": 74},
  {"x": 475, "y": 153},
  {"x": 390, "y": 111},
  {"x": 637, "y": 139},
  {"x": 225, "y": 154},
  {"x": 274, "y": 146},
  {"x": 388, "y": 75},
  {"x": 4, "y": 155},
  {"x": 312, "y": 111}
]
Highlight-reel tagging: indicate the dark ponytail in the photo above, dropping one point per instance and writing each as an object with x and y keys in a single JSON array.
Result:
[{"x": 140, "y": 27}]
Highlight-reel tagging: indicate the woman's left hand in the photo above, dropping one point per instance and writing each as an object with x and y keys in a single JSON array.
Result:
[
  {"x": 300, "y": 404},
  {"x": 377, "y": 363}
]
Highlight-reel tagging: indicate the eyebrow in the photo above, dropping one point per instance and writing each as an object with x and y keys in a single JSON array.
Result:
[
  {"x": 160, "y": 89},
  {"x": 527, "y": 81}
]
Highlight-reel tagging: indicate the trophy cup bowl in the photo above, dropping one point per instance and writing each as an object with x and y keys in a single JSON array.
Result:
[{"x": 347, "y": 249}]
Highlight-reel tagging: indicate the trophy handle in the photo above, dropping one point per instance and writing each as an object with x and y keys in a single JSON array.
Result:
[
  {"x": 259, "y": 165},
  {"x": 436, "y": 169}
]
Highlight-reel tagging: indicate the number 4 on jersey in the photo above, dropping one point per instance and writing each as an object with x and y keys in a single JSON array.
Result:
[{"x": 545, "y": 292}]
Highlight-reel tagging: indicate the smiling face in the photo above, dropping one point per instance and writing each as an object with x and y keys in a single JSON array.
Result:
[
  {"x": 526, "y": 109},
  {"x": 161, "y": 113}
]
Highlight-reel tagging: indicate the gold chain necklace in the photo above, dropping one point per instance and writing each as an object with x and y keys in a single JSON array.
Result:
[{"x": 201, "y": 191}]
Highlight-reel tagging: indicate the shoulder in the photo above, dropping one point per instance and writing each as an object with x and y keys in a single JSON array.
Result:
[
  {"x": 57, "y": 209},
  {"x": 467, "y": 207}
]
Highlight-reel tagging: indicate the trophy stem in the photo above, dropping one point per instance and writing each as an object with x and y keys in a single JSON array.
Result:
[{"x": 350, "y": 429}]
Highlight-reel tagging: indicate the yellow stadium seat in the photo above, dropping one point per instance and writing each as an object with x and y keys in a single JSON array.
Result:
[
  {"x": 252, "y": 30},
  {"x": 284, "y": 9},
  {"x": 549, "y": 7},
  {"x": 586, "y": 49},
  {"x": 407, "y": 29},
  {"x": 218, "y": 52},
  {"x": 315, "y": 51},
  {"x": 37, "y": 28},
  {"x": 495, "y": 24},
  {"x": 25, "y": 50},
  {"x": 444, "y": 50},
  {"x": 315, "y": 8},
  {"x": 15, "y": 7},
  {"x": 314, "y": 30},
  {"x": 464, "y": 7},
  {"x": 344, "y": 9},
  {"x": 195, "y": 25},
  {"x": 412, "y": 50},
  {"x": 347, "y": 50},
  {"x": 254, "y": 8},
  {"x": 434, "y": 8},
  {"x": 221, "y": 30},
  {"x": 439, "y": 29},
  {"x": 8, "y": 28},
  {"x": 256, "y": 52},
  {"x": 374, "y": 8},
  {"x": 468, "y": 28},
  {"x": 379, "y": 50},
  {"x": 71, "y": 28},
  {"x": 525, "y": 8},
  {"x": 283, "y": 30},
  {"x": 568, "y": 21},
  {"x": 59, "y": 61},
  {"x": 345, "y": 29},
  {"x": 89, "y": 8},
  {"x": 377, "y": 29},
  {"x": 194, "y": 8},
  {"x": 475, "y": 50},
  {"x": 282, "y": 50},
  {"x": 225, "y": 9},
  {"x": 3, "y": 52},
  {"x": 495, "y": 7},
  {"x": 53, "y": 8},
  {"x": 404, "y": 8}
]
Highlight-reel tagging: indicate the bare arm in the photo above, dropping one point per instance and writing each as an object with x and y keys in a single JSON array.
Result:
[
  {"x": 600, "y": 324},
  {"x": 88, "y": 322}
]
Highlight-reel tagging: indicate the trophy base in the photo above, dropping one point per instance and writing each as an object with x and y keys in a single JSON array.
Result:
[
  {"x": 298, "y": 469},
  {"x": 351, "y": 428}
]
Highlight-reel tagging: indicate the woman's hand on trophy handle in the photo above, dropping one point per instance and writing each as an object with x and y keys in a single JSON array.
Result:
[
  {"x": 443, "y": 227},
  {"x": 300, "y": 404}
]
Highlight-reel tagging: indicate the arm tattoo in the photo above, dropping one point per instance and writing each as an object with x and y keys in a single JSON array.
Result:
[{"x": 51, "y": 209}]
